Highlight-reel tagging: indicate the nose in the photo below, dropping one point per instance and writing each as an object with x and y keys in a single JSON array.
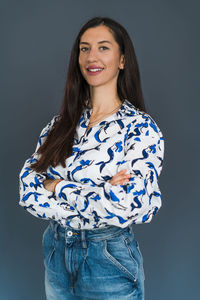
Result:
[{"x": 92, "y": 55}]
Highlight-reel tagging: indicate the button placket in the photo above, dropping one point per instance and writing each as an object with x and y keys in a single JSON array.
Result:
[
  {"x": 70, "y": 237},
  {"x": 69, "y": 233}
]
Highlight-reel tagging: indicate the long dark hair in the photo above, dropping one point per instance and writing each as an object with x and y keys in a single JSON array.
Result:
[{"x": 59, "y": 142}]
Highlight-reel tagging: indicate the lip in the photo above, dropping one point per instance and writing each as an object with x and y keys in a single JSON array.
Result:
[
  {"x": 94, "y": 67},
  {"x": 94, "y": 73}
]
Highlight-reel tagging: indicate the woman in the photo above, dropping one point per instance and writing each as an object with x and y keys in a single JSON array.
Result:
[{"x": 94, "y": 173}]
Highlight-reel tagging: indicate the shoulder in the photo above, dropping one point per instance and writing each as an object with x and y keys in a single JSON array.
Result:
[
  {"x": 140, "y": 119},
  {"x": 54, "y": 119},
  {"x": 51, "y": 123},
  {"x": 44, "y": 132},
  {"x": 142, "y": 128}
]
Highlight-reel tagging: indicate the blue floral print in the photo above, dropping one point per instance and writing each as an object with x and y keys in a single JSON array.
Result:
[{"x": 128, "y": 139}]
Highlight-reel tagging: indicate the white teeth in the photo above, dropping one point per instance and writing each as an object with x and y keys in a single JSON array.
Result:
[{"x": 94, "y": 70}]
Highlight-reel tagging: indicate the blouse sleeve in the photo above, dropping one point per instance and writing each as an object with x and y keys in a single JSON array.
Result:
[
  {"x": 122, "y": 204},
  {"x": 33, "y": 196}
]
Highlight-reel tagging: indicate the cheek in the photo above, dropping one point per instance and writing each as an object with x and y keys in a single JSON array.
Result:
[
  {"x": 81, "y": 65},
  {"x": 80, "y": 60},
  {"x": 113, "y": 64}
]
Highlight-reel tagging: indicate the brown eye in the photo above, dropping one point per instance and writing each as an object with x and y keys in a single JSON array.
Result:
[
  {"x": 104, "y": 47},
  {"x": 82, "y": 49}
]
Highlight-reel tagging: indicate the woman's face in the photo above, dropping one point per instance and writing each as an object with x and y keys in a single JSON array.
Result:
[{"x": 99, "y": 57}]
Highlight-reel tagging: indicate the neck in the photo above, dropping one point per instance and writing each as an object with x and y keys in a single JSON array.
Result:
[{"x": 103, "y": 99}]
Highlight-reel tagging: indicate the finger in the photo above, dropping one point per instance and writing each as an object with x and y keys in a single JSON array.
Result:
[
  {"x": 119, "y": 174},
  {"x": 120, "y": 181},
  {"x": 122, "y": 177},
  {"x": 122, "y": 171}
]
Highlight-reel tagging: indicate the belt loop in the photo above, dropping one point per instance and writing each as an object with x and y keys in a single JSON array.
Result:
[
  {"x": 56, "y": 230},
  {"x": 130, "y": 228},
  {"x": 83, "y": 240}
]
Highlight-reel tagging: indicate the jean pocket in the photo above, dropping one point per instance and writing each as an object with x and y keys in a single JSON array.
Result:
[{"x": 119, "y": 254}]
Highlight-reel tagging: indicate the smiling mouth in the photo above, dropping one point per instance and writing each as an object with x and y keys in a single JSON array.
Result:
[{"x": 94, "y": 71}]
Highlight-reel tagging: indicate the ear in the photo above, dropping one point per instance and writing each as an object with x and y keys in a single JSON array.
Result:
[{"x": 122, "y": 62}]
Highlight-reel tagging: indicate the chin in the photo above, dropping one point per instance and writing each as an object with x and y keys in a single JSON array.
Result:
[{"x": 96, "y": 84}]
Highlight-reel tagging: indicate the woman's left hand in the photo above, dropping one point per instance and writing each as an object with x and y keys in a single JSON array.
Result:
[{"x": 49, "y": 184}]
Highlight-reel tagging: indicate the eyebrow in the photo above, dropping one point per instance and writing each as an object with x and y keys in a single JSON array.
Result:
[{"x": 101, "y": 42}]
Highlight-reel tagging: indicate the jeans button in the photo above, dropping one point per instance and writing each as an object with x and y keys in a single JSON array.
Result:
[{"x": 69, "y": 233}]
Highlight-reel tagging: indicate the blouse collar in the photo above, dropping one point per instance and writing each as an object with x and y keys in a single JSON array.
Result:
[{"x": 126, "y": 108}]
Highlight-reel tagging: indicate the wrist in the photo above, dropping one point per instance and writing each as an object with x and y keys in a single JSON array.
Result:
[{"x": 54, "y": 188}]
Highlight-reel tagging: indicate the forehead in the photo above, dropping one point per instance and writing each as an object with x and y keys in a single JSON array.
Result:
[{"x": 99, "y": 33}]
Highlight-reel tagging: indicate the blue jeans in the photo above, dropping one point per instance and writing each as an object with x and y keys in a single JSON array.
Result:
[{"x": 103, "y": 264}]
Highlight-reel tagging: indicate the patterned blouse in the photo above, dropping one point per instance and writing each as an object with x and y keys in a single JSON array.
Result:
[{"x": 128, "y": 139}]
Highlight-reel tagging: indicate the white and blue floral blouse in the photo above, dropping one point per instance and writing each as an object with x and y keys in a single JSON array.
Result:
[{"x": 128, "y": 139}]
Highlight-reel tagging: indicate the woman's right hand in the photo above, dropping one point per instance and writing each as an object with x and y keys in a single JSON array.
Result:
[{"x": 120, "y": 178}]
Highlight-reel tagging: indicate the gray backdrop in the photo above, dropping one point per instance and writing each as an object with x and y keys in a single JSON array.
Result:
[{"x": 36, "y": 40}]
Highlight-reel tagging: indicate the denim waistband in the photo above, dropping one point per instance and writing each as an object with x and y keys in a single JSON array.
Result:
[{"x": 88, "y": 234}]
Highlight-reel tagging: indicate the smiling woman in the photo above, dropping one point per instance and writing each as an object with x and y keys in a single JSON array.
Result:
[
  {"x": 100, "y": 64},
  {"x": 94, "y": 173}
]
